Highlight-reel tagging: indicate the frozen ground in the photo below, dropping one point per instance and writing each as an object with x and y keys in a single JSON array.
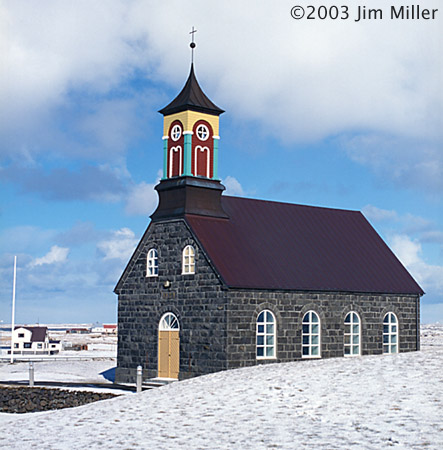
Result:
[{"x": 372, "y": 402}]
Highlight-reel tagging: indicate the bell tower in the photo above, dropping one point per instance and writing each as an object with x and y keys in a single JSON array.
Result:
[{"x": 190, "y": 183}]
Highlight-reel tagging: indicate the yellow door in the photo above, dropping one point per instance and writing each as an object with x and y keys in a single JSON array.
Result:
[{"x": 168, "y": 354}]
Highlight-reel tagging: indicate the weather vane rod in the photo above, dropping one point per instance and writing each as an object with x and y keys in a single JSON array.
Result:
[{"x": 192, "y": 44}]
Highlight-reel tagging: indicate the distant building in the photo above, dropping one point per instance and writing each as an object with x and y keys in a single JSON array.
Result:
[
  {"x": 110, "y": 328},
  {"x": 34, "y": 341},
  {"x": 78, "y": 331}
]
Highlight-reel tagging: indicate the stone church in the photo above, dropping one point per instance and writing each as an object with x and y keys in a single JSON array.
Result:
[{"x": 220, "y": 282}]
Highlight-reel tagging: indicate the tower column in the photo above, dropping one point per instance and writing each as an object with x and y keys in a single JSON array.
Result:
[
  {"x": 215, "y": 166},
  {"x": 187, "y": 158},
  {"x": 165, "y": 157}
]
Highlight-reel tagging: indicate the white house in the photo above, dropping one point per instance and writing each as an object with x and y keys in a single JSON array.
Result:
[{"x": 34, "y": 341}]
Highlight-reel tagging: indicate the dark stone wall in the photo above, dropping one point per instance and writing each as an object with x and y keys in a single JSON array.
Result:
[
  {"x": 33, "y": 399},
  {"x": 197, "y": 300},
  {"x": 332, "y": 308},
  {"x": 218, "y": 325}
]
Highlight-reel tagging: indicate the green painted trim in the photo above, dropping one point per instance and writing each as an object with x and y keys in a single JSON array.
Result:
[
  {"x": 187, "y": 155},
  {"x": 165, "y": 159},
  {"x": 215, "y": 168}
]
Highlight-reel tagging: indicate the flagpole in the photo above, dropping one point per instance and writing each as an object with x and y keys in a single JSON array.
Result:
[{"x": 13, "y": 310}]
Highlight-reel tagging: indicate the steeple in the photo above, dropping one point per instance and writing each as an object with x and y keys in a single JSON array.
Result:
[
  {"x": 190, "y": 183},
  {"x": 191, "y": 98}
]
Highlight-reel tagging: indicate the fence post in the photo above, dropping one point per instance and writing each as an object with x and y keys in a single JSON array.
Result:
[
  {"x": 31, "y": 374},
  {"x": 139, "y": 378}
]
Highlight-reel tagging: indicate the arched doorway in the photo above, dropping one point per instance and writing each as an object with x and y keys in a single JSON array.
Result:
[{"x": 168, "y": 346}]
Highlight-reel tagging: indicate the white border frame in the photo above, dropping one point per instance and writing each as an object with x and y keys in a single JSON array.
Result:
[
  {"x": 351, "y": 334},
  {"x": 310, "y": 323},
  {"x": 265, "y": 334},
  {"x": 390, "y": 324},
  {"x": 189, "y": 272},
  {"x": 154, "y": 260}
]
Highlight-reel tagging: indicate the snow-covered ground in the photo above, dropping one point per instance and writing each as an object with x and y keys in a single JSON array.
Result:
[{"x": 373, "y": 402}]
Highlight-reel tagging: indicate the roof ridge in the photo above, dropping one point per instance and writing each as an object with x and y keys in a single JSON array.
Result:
[{"x": 291, "y": 204}]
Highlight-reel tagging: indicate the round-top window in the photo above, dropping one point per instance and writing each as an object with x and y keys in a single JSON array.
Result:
[
  {"x": 176, "y": 132},
  {"x": 202, "y": 132}
]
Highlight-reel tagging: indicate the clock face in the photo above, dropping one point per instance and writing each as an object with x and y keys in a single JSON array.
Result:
[
  {"x": 176, "y": 132},
  {"x": 202, "y": 132}
]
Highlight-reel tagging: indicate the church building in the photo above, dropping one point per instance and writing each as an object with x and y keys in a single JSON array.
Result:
[{"x": 220, "y": 282}]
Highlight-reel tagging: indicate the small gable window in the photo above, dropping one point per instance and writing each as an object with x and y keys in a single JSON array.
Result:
[
  {"x": 390, "y": 333},
  {"x": 352, "y": 335},
  {"x": 202, "y": 132},
  {"x": 188, "y": 264},
  {"x": 311, "y": 335},
  {"x": 152, "y": 263},
  {"x": 176, "y": 132},
  {"x": 266, "y": 335}
]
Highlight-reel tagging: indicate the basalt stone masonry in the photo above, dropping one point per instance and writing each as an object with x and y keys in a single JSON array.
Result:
[{"x": 198, "y": 300}]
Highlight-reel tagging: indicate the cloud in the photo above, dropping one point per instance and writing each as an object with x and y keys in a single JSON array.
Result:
[
  {"x": 62, "y": 184},
  {"x": 403, "y": 161},
  {"x": 409, "y": 223},
  {"x": 55, "y": 255},
  {"x": 141, "y": 200},
  {"x": 81, "y": 233},
  {"x": 233, "y": 186},
  {"x": 379, "y": 215},
  {"x": 429, "y": 276},
  {"x": 386, "y": 103},
  {"x": 120, "y": 245}
]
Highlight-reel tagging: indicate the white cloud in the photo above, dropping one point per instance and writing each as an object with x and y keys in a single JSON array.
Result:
[
  {"x": 408, "y": 222},
  {"x": 409, "y": 253},
  {"x": 141, "y": 200},
  {"x": 55, "y": 255},
  {"x": 299, "y": 80},
  {"x": 233, "y": 187},
  {"x": 120, "y": 245},
  {"x": 378, "y": 214}
]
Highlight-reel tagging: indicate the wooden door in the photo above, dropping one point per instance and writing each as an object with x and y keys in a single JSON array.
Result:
[{"x": 168, "y": 354}]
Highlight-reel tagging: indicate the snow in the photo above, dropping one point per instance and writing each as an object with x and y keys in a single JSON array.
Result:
[{"x": 372, "y": 402}]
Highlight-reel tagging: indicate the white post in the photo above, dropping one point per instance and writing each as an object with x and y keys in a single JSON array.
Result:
[
  {"x": 13, "y": 311},
  {"x": 139, "y": 378},
  {"x": 31, "y": 374}
]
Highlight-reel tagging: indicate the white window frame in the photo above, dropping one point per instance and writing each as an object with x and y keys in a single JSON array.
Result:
[
  {"x": 266, "y": 335},
  {"x": 176, "y": 133},
  {"x": 390, "y": 334},
  {"x": 311, "y": 330},
  {"x": 352, "y": 334},
  {"x": 202, "y": 129},
  {"x": 188, "y": 260},
  {"x": 202, "y": 149},
  {"x": 169, "y": 322},
  {"x": 173, "y": 150},
  {"x": 152, "y": 263}
]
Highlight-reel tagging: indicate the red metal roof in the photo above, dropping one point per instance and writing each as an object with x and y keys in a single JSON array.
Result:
[{"x": 272, "y": 245}]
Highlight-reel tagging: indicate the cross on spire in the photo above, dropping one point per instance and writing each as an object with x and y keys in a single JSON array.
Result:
[{"x": 192, "y": 44}]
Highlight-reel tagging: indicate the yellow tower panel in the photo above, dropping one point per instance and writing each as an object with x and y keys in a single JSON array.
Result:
[{"x": 188, "y": 119}]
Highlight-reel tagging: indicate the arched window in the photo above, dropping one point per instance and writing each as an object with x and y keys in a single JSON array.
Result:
[
  {"x": 352, "y": 334},
  {"x": 169, "y": 322},
  {"x": 310, "y": 335},
  {"x": 152, "y": 263},
  {"x": 188, "y": 264},
  {"x": 390, "y": 333},
  {"x": 266, "y": 335}
]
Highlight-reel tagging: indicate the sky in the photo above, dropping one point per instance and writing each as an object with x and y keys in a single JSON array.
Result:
[{"x": 332, "y": 113}]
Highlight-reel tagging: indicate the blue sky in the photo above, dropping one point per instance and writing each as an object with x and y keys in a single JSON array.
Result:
[{"x": 336, "y": 114}]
